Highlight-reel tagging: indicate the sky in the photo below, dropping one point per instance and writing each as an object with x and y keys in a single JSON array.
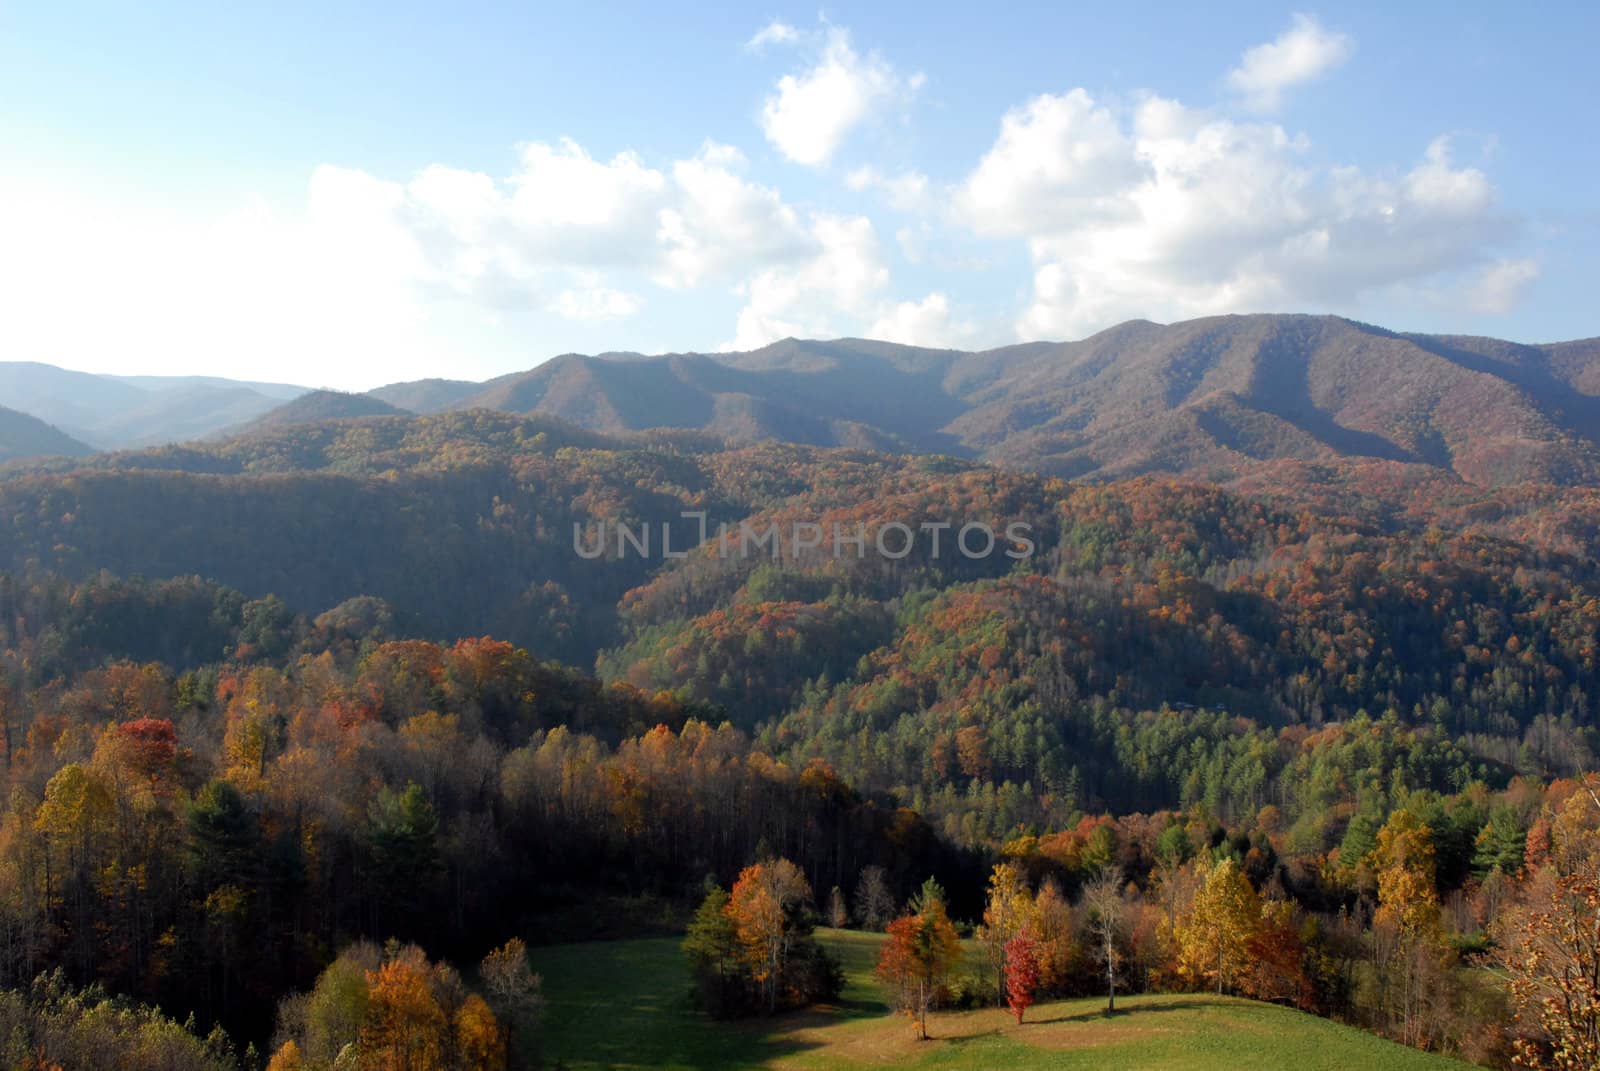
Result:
[{"x": 347, "y": 195}]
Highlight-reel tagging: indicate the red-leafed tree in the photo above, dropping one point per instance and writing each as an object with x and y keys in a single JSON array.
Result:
[
  {"x": 152, "y": 745},
  {"x": 1022, "y": 972}
]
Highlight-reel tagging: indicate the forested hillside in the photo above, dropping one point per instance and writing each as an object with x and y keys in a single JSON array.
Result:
[
  {"x": 23, "y": 436},
  {"x": 401, "y": 678}
]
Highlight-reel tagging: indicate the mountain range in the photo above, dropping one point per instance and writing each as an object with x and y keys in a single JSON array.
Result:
[
  {"x": 114, "y": 412},
  {"x": 1203, "y": 397}
]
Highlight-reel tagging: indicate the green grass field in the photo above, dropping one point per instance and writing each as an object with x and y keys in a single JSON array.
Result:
[{"x": 624, "y": 1004}]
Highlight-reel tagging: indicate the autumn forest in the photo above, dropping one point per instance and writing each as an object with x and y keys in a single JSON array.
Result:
[{"x": 313, "y": 738}]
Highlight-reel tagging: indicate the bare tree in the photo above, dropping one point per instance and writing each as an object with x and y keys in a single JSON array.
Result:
[
  {"x": 874, "y": 902},
  {"x": 1102, "y": 899}
]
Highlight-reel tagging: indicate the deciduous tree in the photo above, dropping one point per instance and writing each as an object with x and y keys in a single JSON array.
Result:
[
  {"x": 1214, "y": 936},
  {"x": 762, "y": 905},
  {"x": 1409, "y": 950},
  {"x": 1022, "y": 972},
  {"x": 405, "y": 1028},
  {"x": 1106, "y": 909},
  {"x": 921, "y": 951},
  {"x": 514, "y": 995},
  {"x": 1549, "y": 944},
  {"x": 1008, "y": 910},
  {"x": 874, "y": 903}
]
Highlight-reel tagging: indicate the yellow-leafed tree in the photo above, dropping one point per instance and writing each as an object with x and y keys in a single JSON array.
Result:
[{"x": 1213, "y": 937}]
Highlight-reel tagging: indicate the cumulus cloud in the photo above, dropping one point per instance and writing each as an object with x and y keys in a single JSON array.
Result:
[
  {"x": 1164, "y": 211},
  {"x": 1499, "y": 286},
  {"x": 720, "y": 223},
  {"x": 842, "y": 289},
  {"x": 1057, "y": 161},
  {"x": 1303, "y": 52},
  {"x": 825, "y": 294},
  {"x": 542, "y": 236},
  {"x": 547, "y": 235},
  {"x": 809, "y": 114},
  {"x": 922, "y": 323}
]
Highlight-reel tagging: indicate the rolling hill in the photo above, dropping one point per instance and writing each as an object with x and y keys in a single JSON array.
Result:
[
  {"x": 313, "y": 408},
  {"x": 846, "y": 393},
  {"x": 24, "y": 436},
  {"x": 426, "y": 395}
]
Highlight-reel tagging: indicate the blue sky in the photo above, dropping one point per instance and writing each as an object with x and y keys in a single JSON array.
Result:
[{"x": 349, "y": 195}]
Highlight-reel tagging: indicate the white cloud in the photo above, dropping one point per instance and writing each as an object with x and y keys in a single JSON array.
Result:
[
  {"x": 438, "y": 270},
  {"x": 922, "y": 323},
  {"x": 1058, "y": 159},
  {"x": 775, "y": 32},
  {"x": 1447, "y": 189},
  {"x": 909, "y": 191},
  {"x": 825, "y": 295},
  {"x": 1500, "y": 286},
  {"x": 596, "y": 303},
  {"x": 720, "y": 223},
  {"x": 563, "y": 186},
  {"x": 552, "y": 234},
  {"x": 1301, "y": 53},
  {"x": 1167, "y": 212},
  {"x": 842, "y": 290},
  {"x": 809, "y": 114},
  {"x": 542, "y": 236},
  {"x": 1140, "y": 209}
]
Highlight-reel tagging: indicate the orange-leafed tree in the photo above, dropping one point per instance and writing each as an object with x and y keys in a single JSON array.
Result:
[
  {"x": 151, "y": 746},
  {"x": 405, "y": 1028},
  {"x": 763, "y": 905},
  {"x": 1022, "y": 972},
  {"x": 1278, "y": 958},
  {"x": 922, "y": 949},
  {"x": 480, "y": 1043},
  {"x": 1054, "y": 936},
  {"x": 753, "y": 949},
  {"x": 287, "y": 1058}
]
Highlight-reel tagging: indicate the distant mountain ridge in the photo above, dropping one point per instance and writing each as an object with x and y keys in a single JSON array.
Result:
[
  {"x": 110, "y": 412},
  {"x": 1203, "y": 397}
]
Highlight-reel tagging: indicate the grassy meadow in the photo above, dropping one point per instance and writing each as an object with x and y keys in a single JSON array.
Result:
[{"x": 624, "y": 1004}]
